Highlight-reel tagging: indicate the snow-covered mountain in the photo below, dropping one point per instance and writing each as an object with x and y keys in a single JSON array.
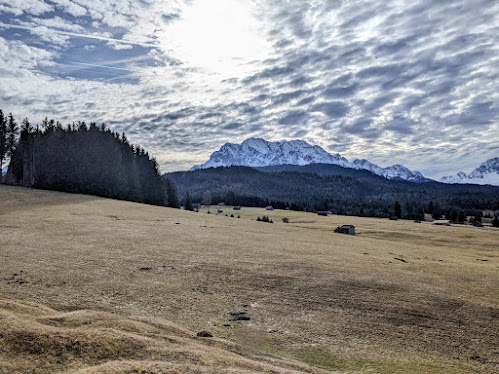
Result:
[
  {"x": 486, "y": 173},
  {"x": 4, "y": 170},
  {"x": 256, "y": 152},
  {"x": 391, "y": 172}
]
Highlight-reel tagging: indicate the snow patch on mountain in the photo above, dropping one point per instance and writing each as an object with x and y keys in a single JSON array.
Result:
[
  {"x": 257, "y": 152},
  {"x": 397, "y": 171},
  {"x": 486, "y": 173},
  {"x": 4, "y": 169}
]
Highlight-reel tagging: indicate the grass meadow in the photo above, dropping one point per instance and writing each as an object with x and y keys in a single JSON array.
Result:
[{"x": 399, "y": 297}]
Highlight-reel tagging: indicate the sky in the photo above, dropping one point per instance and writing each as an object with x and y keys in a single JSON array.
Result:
[{"x": 414, "y": 82}]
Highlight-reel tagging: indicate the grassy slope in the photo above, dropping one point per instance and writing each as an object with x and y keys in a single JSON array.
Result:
[
  {"x": 330, "y": 300},
  {"x": 36, "y": 339}
]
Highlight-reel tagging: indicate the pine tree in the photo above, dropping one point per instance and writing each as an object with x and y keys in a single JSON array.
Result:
[
  {"x": 188, "y": 202},
  {"x": 461, "y": 216},
  {"x": 12, "y": 131},
  {"x": 397, "y": 211},
  {"x": 171, "y": 193},
  {"x": 26, "y": 141},
  {"x": 3, "y": 141},
  {"x": 495, "y": 221}
]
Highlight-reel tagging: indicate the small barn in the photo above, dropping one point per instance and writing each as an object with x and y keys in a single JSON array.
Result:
[
  {"x": 269, "y": 208},
  {"x": 346, "y": 229},
  {"x": 236, "y": 207},
  {"x": 324, "y": 213},
  {"x": 442, "y": 222}
]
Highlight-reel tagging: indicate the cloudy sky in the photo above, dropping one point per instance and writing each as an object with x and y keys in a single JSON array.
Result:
[{"x": 394, "y": 81}]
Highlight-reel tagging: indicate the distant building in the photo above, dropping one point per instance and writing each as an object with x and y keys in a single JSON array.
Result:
[
  {"x": 442, "y": 222},
  {"x": 236, "y": 207},
  {"x": 221, "y": 204},
  {"x": 324, "y": 213},
  {"x": 220, "y": 210},
  {"x": 346, "y": 229},
  {"x": 269, "y": 208}
]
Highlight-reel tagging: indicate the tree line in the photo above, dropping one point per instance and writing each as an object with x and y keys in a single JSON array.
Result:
[
  {"x": 372, "y": 196},
  {"x": 410, "y": 210},
  {"x": 81, "y": 158}
]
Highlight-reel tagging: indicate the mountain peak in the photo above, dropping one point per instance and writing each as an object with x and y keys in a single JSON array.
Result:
[
  {"x": 257, "y": 152},
  {"x": 486, "y": 173}
]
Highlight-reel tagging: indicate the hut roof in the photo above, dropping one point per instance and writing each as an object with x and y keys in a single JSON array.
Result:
[{"x": 441, "y": 221}]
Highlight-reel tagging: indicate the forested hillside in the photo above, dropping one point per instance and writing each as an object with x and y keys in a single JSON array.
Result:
[
  {"x": 364, "y": 195},
  {"x": 84, "y": 159}
]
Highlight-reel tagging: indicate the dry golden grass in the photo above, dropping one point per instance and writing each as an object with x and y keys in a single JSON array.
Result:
[
  {"x": 333, "y": 301},
  {"x": 36, "y": 339}
]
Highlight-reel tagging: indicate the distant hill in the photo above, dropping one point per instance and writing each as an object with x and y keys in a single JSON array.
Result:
[
  {"x": 329, "y": 169},
  {"x": 332, "y": 187}
]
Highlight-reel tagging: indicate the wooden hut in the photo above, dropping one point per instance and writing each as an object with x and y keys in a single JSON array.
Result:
[{"x": 346, "y": 229}]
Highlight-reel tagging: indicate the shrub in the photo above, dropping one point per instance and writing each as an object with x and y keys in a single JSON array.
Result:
[
  {"x": 232, "y": 215},
  {"x": 495, "y": 221},
  {"x": 264, "y": 219},
  {"x": 238, "y": 216},
  {"x": 285, "y": 220}
]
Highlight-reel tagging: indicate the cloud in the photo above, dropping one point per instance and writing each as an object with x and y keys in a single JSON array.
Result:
[
  {"x": 401, "y": 125},
  {"x": 71, "y": 7},
  {"x": 19, "y": 7},
  {"x": 293, "y": 117},
  {"x": 333, "y": 109},
  {"x": 382, "y": 81}
]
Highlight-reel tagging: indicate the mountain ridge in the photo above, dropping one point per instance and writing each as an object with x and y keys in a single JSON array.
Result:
[
  {"x": 486, "y": 173},
  {"x": 257, "y": 152}
]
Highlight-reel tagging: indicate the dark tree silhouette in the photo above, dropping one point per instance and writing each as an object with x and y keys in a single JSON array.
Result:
[
  {"x": 188, "y": 201},
  {"x": 461, "y": 216},
  {"x": 397, "y": 210},
  {"x": 12, "y": 131},
  {"x": 3, "y": 140},
  {"x": 171, "y": 190},
  {"x": 84, "y": 159}
]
